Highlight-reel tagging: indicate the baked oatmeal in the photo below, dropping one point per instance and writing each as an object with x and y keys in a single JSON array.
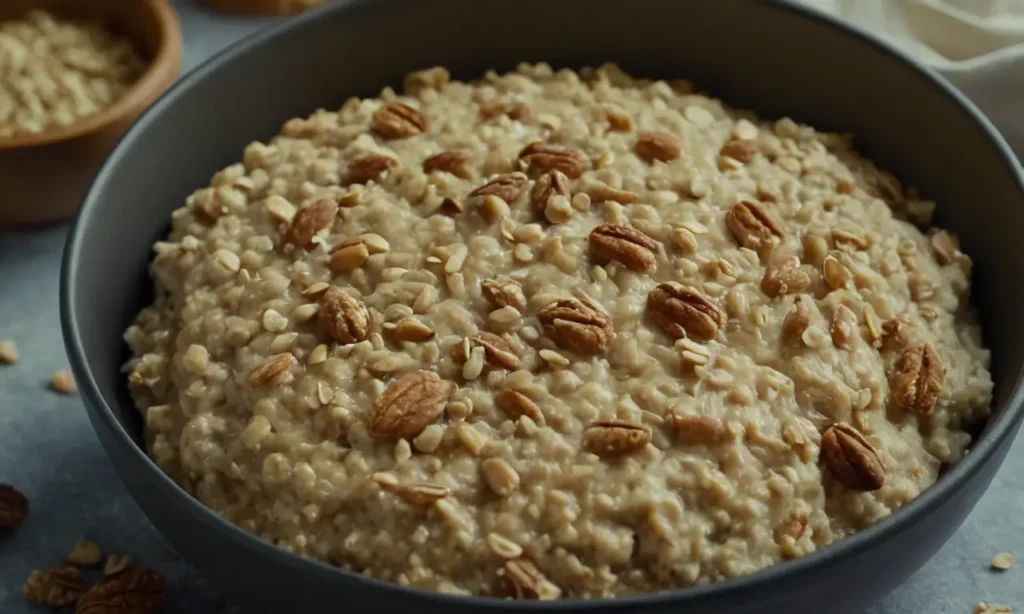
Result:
[{"x": 555, "y": 334}]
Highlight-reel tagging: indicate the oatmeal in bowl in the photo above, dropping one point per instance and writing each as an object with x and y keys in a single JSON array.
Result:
[{"x": 555, "y": 335}]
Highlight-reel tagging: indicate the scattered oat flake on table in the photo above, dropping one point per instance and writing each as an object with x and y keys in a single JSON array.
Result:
[
  {"x": 991, "y": 608},
  {"x": 85, "y": 553},
  {"x": 8, "y": 352},
  {"x": 63, "y": 382},
  {"x": 1002, "y": 561}
]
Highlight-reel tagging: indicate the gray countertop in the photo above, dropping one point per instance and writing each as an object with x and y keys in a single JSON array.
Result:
[{"x": 49, "y": 451}]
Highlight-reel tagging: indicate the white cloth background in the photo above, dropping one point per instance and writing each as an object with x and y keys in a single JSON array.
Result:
[{"x": 977, "y": 44}]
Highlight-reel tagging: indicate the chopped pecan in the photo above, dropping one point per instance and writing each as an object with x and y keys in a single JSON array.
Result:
[
  {"x": 454, "y": 162},
  {"x": 916, "y": 379},
  {"x": 846, "y": 239},
  {"x": 409, "y": 405},
  {"x": 497, "y": 352},
  {"x": 651, "y": 146},
  {"x": 551, "y": 183},
  {"x": 311, "y": 220},
  {"x": 739, "y": 150},
  {"x": 698, "y": 430},
  {"x": 520, "y": 579},
  {"x": 945, "y": 247},
  {"x": 798, "y": 319},
  {"x": 370, "y": 167},
  {"x": 13, "y": 507},
  {"x": 508, "y": 187},
  {"x": 537, "y": 158},
  {"x": 783, "y": 275},
  {"x": 395, "y": 120},
  {"x": 609, "y": 438},
  {"x": 753, "y": 227},
  {"x": 518, "y": 111},
  {"x": 896, "y": 332},
  {"x": 504, "y": 292},
  {"x": 576, "y": 326},
  {"x": 626, "y": 245},
  {"x": 515, "y": 404},
  {"x": 132, "y": 591},
  {"x": 851, "y": 459},
  {"x": 843, "y": 326},
  {"x": 681, "y": 311},
  {"x": 342, "y": 317}
]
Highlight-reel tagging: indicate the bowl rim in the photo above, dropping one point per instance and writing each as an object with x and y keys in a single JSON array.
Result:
[
  {"x": 995, "y": 434},
  {"x": 149, "y": 87}
]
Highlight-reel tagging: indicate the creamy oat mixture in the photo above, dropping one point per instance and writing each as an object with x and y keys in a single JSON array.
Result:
[
  {"x": 555, "y": 334},
  {"x": 56, "y": 71}
]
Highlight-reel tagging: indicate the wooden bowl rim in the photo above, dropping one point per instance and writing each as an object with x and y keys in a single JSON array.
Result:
[{"x": 140, "y": 95}]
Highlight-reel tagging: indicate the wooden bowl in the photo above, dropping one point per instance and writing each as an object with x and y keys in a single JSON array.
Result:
[
  {"x": 263, "y": 7},
  {"x": 43, "y": 176}
]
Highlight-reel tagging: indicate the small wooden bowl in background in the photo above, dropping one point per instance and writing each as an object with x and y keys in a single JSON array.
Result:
[
  {"x": 263, "y": 7},
  {"x": 43, "y": 176}
]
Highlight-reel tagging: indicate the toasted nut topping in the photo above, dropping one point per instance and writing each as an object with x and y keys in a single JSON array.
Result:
[
  {"x": 520, "y": 579},
  {"x": 507, "y": 187},
  {"x": 454, "y": 162},
  {"x": 311, "y": 220},
  {"x": 13, "y": 507},
  {"x": 551, "y": 183},
  {"x": 784, "y": 276},
  {"x": 916, "y": 379},
  {"x": 681, "y": 311},
  {"x": 497, "y": 351},
  {"x": 845, "y": 239},
  {"x": 753, "y": 228},
  {"x": 274, "y": 372},
  {"x": 698, "y": 430},
  {"x": 409, "y": 405},
  {"x": 626, "y": 245},
  {"x": 609, "y": 438},
  {"x": 945, "y": 247},
  {"x": 515, "y": 404},
  {"x": 132, "y": 591},
  {"x": 538, "y": 158},
  {"x": 57, "y": 586},
  {"x": 576, "y": 326},
  {"x": 740, "y": 150},
  {"x": 504, "y": 292},
  {"x": 395, "y": 120},
  {"x": 651, "y": 146},
  {"x": 342, "y": 317},
  {"x": 798, "y": 319},
  {"x": 843, "y": 326},
  {"x": 851, "y": 459},
  {"x": 370, "y": 167}
]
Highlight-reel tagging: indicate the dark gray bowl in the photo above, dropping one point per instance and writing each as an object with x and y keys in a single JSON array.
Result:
[{"x": 770, "y": 57}]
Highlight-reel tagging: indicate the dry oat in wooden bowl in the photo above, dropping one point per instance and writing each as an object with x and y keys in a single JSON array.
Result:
[{"x": 554, "y": 334}]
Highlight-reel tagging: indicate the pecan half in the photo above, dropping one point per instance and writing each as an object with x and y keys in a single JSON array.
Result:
[
  {"x": 549, "y": 184},
  {"x": 132, "y": 591},
  {"x": 370, "y": 167},
  {"x": 626, "y": 245},
  {"x": 57, "y": 586},
  {"x": 851, "y": 459},
  {"x": 752, "y": 227},
  {"x": 504, "y": 292},
  {"x": 784, "y": 276},
  {"x": 342, "y": 317},
  {"x": 409, "y": 405},
  {"x": 515, "y": 404},
  {"x": 454, "y": 162},
  {"x": 916, "y": 379},
  {"x": 13, "y": 507},
  {"x": 311, "y": 220},
  {"x": 520, "y": 579},
  {"x": 609, "y": 438},
  {"x": 508, "y": 187},
  {"x": 395, "y": 120},
  {"x": 497, "y": 352},
  {"x": 681, "y": 311},
  {"x": 576, "y": 326},
  {"x": 651, "y": 146},
  {"x": 537, "y": 158}
]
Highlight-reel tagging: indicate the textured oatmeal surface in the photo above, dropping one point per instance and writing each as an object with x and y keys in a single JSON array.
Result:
[{"x": 555, "y": 334}]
